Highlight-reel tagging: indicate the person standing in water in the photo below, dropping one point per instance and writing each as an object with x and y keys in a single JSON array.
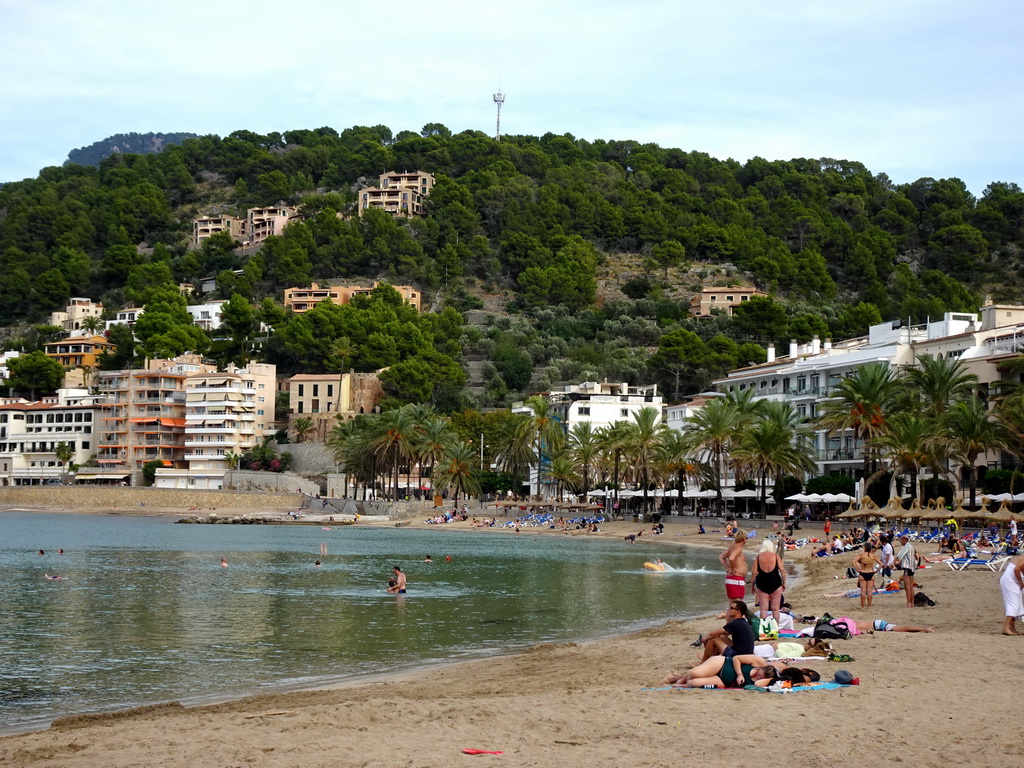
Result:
[{"x": 399, "y": 586}]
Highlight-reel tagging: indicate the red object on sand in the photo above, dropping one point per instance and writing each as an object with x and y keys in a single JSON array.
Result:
[{"x": 468, "y": 751}]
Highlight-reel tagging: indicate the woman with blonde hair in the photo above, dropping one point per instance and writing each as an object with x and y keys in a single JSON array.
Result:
[{"x": 769, "y": 580}]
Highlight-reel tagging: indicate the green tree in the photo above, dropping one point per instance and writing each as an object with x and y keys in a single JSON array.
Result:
[{"x": 35, "y": 373}]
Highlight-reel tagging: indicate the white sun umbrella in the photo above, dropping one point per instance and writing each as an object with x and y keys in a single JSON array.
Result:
[
  {"x": 673, "y": 494},
  {"x": 747, "y": 494},
  {"x": 998, "y": 497},
  {"x": 598, "y": 492},
  {"x": 845, "y": 498},
  {"x": 1018, "y": 497},
  {"x": 798, "y": 497},
  {"x": 691, "y": 494},
  {"x": 813, "y": 498}
]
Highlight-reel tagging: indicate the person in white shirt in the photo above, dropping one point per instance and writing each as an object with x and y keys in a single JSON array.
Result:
[{"x": 885, "y": 557}]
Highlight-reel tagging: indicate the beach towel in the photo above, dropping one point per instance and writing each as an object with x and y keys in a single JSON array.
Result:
[{"x": 822, "y": 686}]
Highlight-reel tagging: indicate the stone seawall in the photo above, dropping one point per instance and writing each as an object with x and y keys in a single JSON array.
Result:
[{"x": 111, "y": 497}]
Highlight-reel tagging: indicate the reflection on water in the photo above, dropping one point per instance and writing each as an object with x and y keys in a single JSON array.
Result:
[{"x": 145, "y": 613}]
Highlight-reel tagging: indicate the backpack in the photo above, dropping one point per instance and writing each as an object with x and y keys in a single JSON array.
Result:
[{"x": 920, "y": 598}]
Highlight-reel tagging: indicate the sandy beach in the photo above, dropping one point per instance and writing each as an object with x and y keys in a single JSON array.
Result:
[{"x": 924, "y": 699}]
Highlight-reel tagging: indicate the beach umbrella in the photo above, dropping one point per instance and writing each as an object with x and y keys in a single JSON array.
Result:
[
  {"x": 998, "y": 497},
  {"x": 798, "y": 497},
  {"x": 1018, "y": 497},
  {"x": 747, "y": 494}
]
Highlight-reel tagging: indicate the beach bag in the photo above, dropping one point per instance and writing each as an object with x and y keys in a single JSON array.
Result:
[
  {"x": 851, "y": 572},
  {"x": 832, "y": 631},
  {"x": 920, "y": 598},
  {"x": 769, "y": 629}
]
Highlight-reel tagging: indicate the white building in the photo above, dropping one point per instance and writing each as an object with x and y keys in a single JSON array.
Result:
[
  {"x": 229, "y": 412},
  {"x": 601, "y": 404},
  {"x": 208, "y": 315},
  {"x": 808, "y": 374},
  {"x": 31, "y": 431}
]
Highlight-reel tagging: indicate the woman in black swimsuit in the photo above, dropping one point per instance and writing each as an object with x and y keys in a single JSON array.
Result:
[
  {"x": 866, "y": 564},
  {"x": 769, "y": 580}
]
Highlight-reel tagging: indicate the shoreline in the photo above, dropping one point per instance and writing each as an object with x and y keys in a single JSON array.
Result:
[{"x": 573, "y": 703}]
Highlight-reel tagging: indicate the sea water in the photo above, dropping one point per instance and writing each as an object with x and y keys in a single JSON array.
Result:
[{"x": 144, "y": 612}]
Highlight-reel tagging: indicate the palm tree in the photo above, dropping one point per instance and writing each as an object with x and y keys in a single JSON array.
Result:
[
  {"x": 711, "y": 433},
  {"x": 392, "y": 441},
  {"x": 455, "y": 470},
  {"x": 349, "y": 440},
  {"x": 776, "y": 443},
  {"x": 534, "y": 439},
  {"x": 92, "y": 324},
  {"x": 968, "y": 432},
  {"x": 642, "y": 446},
  {"x": 301, "y": 428},
  {"x": 584, "y": 447},
  {"x": 678, "y": 462},
  {"x": 908, "y": 445},
  {"x": 860, "y": 403},
  {"x": 342, "y": 350},
  {"x": 433, "y": 437},
  {"x": 232, "y": 458},
  {"x": 612, "y": 441},
  {"x": 936, "y": 383},
  {"x": 562, "y": 471},
  {"x": 63, "y": 453}
]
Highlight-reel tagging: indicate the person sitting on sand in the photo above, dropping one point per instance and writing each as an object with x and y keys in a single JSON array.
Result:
[
  {"x": 725, "y": 672},
  {"x": 735, "y": 638}
]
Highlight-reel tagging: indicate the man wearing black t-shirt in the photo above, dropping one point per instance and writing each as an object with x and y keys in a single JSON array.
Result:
[{"x": 736, "y": 638}]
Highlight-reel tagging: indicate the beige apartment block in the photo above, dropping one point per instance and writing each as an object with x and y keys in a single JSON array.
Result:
[
  {"x": 261, "y": 223},
  {"x": 76, "y": 311},
  {"x": 721, "y": 298},
  {"x": 226, "y": 414},
  {"x": 323, "y": 397},
  {"x": 142, "y": 418},
  {"x": 301, "y": 300},
  {"x": 400, "y": 194},
  {"x": 206, "y": 226}
]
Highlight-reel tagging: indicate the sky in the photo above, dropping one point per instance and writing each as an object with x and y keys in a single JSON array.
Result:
[{"x": 909, "y": 88}]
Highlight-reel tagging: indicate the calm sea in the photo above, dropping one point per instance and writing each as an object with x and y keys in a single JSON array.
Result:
[{"x": 144, "y": 612}]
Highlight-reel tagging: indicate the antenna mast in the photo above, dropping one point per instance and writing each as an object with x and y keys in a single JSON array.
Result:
[{"x": 499, "y": 99}]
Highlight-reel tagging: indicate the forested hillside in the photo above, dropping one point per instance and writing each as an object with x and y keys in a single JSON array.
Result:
[
  {"x": 540, "y": 225},
  {"x": 125, "y": 143}
]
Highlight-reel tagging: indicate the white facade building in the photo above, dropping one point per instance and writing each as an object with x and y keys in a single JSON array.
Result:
[
  {"x": 601, "y": 404},
  {"x": 207, "y": 316},
  {"x": 31, "y": 431}
]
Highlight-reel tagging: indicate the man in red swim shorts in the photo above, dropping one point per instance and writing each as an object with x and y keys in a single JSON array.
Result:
[{"x": 735, "y": 564}]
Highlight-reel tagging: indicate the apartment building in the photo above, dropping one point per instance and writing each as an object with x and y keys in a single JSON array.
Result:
[
  {"x": 127, "y": 316},
  {"x": 226, "y": 414},
  {"x": 142, "y": 417},
  {"x": 808, "y": 374},
  {"x": 73, "y": 315},
  {"x": 31, "y": 431},
  {"x": 261, "y": 223},
  {"x": 325, "y": 397},
  {"x": 400, "y": 194},
  {"x": 257, "y": 225},
  {"x": 78, "y": 351},
  {"x": 301, "y": 300},
  {"x": 207, "y": 226},
  {"x": 702, "y": 304}
]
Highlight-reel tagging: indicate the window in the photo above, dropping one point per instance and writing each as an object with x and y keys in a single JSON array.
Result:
[
  {"x": 316, "y": 390},
  {"x": 330, "y": 390},
  {"x": 300, "y": 407},
  {"x": 624, "y": 413},
  {"x": 728, "y": 298},
  {"x": 585, "y": 411},
  {"x": 302, "y": 390},
  {"x": 744, "y": 298}
]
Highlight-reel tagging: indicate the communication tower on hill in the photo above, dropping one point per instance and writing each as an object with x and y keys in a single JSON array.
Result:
[{"x": 499, "y": 99}]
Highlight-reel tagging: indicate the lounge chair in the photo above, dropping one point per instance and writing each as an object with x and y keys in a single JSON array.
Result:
[{"x": 994, "y": 563}]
